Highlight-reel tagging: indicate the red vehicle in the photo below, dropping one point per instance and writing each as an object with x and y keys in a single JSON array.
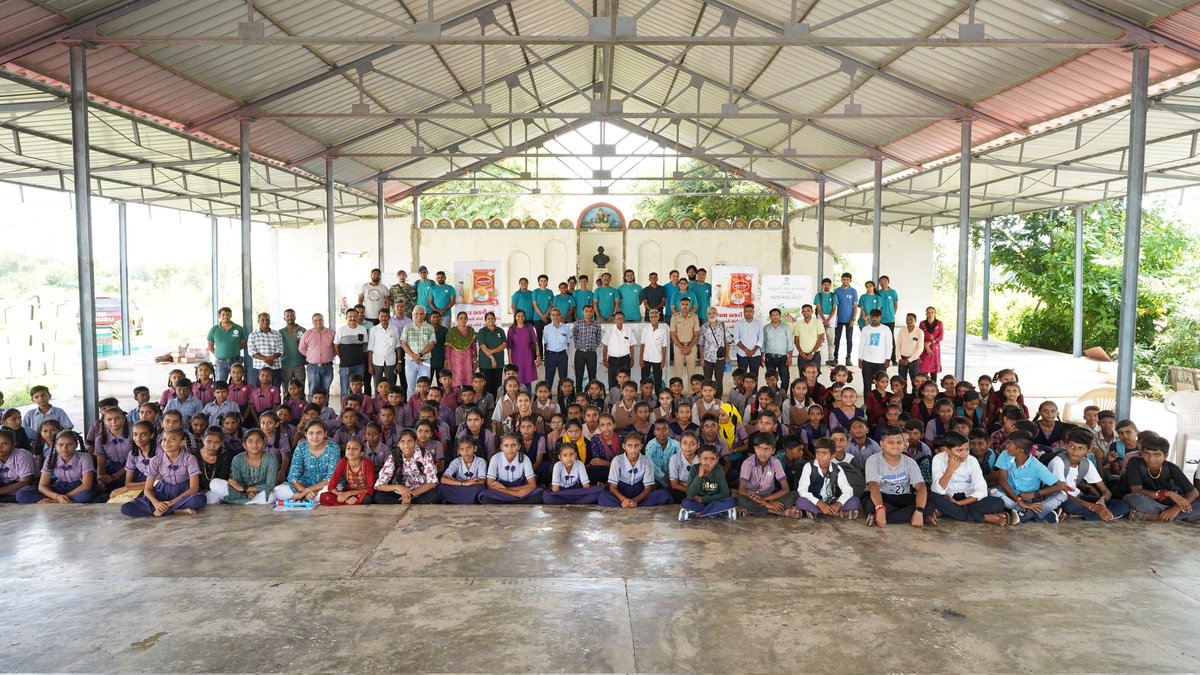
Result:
[{"x": 108, "y": 313}]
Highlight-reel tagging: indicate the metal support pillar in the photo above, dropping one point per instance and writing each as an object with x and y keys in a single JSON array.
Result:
[
  {"x": 244, "y": 180},
  {"x": 877, "y": 220},
  {"x": 964, "y": 250},
  {"x": 82, "y": 174},
  {"x": 1133, "y": 229},
  {"x": 123, "y": 270},
  {"x": 330, "y": 246},
  {"x": 415, "y": 235},
  {"x": 214, "y": 272},
  {"x": 1077, "y": 339},
  {"x": 785, "y": 253},
  {"x": 987, "y": 277},
  {"x": 380, "y": 217},
  {"x": 820, "y": 232}
]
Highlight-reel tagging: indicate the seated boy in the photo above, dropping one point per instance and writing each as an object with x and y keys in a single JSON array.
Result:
[
  {"x": 895, "y": 488},
  {"x": 1025, "y": 485},
  {"x": 1087, "y": 495},
  {"x": 823, "y": 487},
  {"x": 959, "y": 489},
  {"x": 1156, "y": 489},
  {"x": 762, "y": 484}
]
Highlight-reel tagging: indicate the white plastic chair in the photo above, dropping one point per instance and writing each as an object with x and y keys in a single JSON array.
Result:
[
  {"x": 1186, "y": 406},
  {"x": 1104, "y": 398}
]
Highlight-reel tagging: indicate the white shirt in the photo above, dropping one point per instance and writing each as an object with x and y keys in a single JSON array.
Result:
[
  {"x": 750, "y": 334},
  {"x": 967, "y": 479},
  {"x": 619, "y": 341},
  {"x": 653, "y": 341},
  {"x": 876, "y": 344},
  {"x": 374, "y": 298},
  {"x": 1068, "y": 474},
  {"x": 383, "y": 343},
  {"x": 845, "y": 492}
]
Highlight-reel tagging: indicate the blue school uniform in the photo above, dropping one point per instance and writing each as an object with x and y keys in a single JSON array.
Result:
[
  {"x": 630, "y": 480},
  {"x": 572, "y": 486},
  {"x": 187, "y": 409},
  {"x": 461, "y": 471}
]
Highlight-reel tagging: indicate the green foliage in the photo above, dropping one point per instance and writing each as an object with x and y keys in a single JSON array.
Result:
[
  {"x": 496, "y": 199},
  {"x": 1037, "y": 253},
  {"x": 745, "y": 199}
]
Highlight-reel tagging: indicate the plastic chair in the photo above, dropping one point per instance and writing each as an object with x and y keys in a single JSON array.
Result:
[
  {"x": 1186, "y": 406},
  {"x": 1105, "y": 398}
]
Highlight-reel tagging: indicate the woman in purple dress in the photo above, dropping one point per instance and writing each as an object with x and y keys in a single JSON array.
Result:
[
  {"x": 931, "y": 359},
  {"x": 523, "y": 348}
]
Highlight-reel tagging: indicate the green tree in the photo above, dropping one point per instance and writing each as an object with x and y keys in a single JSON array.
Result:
[
  {"x": 744, "y": 200},
  {"x": 495, "y": 199}
]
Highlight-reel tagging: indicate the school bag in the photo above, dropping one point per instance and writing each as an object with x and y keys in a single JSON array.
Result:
[{"x": 854, "y": 476}]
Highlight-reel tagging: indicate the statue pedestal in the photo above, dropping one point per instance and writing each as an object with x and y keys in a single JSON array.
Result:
[{"x": 598, "y": 273}]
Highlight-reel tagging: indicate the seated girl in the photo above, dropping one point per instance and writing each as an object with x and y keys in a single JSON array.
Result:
[
  {"x": 312, "y": 465},
  {"x": 374, "y": 448},
  {"x": 409, "y": 474},
  {"x": 474, "y": 428},
  {"x": 11, "y": 419},
  {"x": 252, "y": 473},
  {"x": 707, "y": 491},
  {"x": 824, "y": 487},
  {"x": 68, "y": 474},
  {"x": 112, "y": 447},
  {"x": 277, "y": 443},
  {"x": 510, "y": 477},
  {"x": 958, "y": 488},
  {"x": 231, "y": 424},
  {"x": 215, "y": 463},
  {"x": 353, "y": 480},
  {"x": 429, "y": 444},
  {"x": 603, "y": 448},
  {"x": 569, "y": 480},
  {"x": 680, "y": 465},
  {"x": 533, "y": 446},
  {"x": 18, "y": 468},
  {"x": 631, "y": 478},
  {"x": 172, "y": 482},
  {"x": 466, "y": 476}
]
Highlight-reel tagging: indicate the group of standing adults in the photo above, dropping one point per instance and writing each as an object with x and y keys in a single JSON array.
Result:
[{"x": 399, "y": 334}]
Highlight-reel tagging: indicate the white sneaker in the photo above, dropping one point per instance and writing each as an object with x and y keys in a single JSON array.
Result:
[
  {"x": 684, "y": 514},
  {"x": 733, "y": 514}
]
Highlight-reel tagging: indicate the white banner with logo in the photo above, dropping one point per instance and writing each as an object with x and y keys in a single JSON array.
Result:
[
  {"x": 734, "y": 287},
  {"x": 478, "y": 285},
  {"x": 787, "y": 293}
]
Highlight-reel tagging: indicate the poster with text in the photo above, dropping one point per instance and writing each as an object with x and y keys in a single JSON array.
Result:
[
  {"x": 787, "y": 292},
  {"x": 478, "y": 287},
  {"x": 734, "y": 287}
]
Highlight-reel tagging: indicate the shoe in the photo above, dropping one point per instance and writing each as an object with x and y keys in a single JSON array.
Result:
[
  {"x": 684, "y": 514},
  {"x": 732, "y": 514},
  {"x": 870, "y": 520},
  {"x": 1056, "y": 516},
  {"x": 833, "y": 361},
  {"x": 1014, "y": 517},
  {"x": 847, "y": 360}
]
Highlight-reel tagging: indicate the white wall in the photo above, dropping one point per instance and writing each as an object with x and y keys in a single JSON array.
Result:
[{"x": 907, "y": 256}]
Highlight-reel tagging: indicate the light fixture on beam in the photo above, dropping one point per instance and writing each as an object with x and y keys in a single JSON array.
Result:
[
  {"x": 251, "y": 28},
  {"x": 600, "y": 190}
]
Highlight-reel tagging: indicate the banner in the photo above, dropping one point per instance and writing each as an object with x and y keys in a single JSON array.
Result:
[
  {"x": 479, "y": 291},
  {"x": 733, "y": 288},
  {"x": 786, "y": 292}
]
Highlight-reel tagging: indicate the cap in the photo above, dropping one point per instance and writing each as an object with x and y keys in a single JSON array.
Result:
[{"x": 422, "y": 268}]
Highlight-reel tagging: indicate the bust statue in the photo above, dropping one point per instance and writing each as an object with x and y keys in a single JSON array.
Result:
[{"x": 600, "y": 259}]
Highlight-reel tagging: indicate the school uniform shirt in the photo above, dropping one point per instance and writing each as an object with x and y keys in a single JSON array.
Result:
[
  {"x": 383, "y": 343},
  {"x": 69, "y": 472},
  {"x": 623, "y": 471},
  {"x": 876, "y": 344},
  {"x": 661, "y": 456},
  {"x": 815, "y": 485},
  {"x": 653, "y": 341},
  {"x": 967, "y": 478},
  {"x": 264, "y": 399},
  {"x": 761, "y": 479},
  {"x": 620, "y": 341},
  {"x": 1071, "y": 475},
  {"x": 569, "y": 480},
  {"x": 897, "y": 480},
  {"x": 460, "y": 471},
  {"x": 32, "y": 420},
  {"x": 138, "y": 464},
  {"x": 680, "y": 468},
  {"x": 20, "y": 464},
  {"x": 187, "y": 409},
  {"x": 215, "y": 411},
  {"x": 116, "y": 449},
  {"x": 174, "y": 472},
  {"x": 859, "y": 454},
  {"x": 1030, "y": 477},
  {"x": 501, "y": 469}
]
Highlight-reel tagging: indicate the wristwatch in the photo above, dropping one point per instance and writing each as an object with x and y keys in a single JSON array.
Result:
[{"x": 920, "y": 510}]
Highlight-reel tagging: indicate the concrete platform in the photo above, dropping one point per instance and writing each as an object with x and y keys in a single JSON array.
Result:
[{"x": 508, "y": 589}]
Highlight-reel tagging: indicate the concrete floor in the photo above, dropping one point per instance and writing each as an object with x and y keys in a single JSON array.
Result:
[{"x": 487, "y": 589}]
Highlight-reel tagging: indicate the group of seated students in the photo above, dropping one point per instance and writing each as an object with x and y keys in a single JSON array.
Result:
[{"x": 963, "y": 451}]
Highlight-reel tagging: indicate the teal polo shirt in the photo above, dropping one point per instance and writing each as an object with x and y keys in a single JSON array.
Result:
[
  {"x": 606, "y": 302},
  {"x": 542, "y": 297},
  {"x": 631, "y": 301}
]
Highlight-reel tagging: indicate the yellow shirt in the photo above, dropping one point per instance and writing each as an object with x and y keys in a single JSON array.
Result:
[{"x": 808, "y": 333}]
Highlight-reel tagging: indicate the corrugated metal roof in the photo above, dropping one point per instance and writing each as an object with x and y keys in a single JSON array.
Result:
[{"x": 186, "y": 84}]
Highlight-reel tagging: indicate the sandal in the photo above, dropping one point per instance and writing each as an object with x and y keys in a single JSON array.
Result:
[{"x": 792, "y": 512}]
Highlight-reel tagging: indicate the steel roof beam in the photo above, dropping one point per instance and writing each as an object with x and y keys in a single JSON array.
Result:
[
  {"x": 85, "y": 25},
  {"x": 1132, "y": 27}
]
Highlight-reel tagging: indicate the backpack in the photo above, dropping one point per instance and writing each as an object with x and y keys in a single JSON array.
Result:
[{"x": 854, "y": 476}]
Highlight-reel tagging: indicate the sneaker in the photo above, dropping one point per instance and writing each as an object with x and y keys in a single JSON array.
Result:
[
  {"x": 1014, "y": 517},
  {"x": 847, "y": 360},
  {"x": 684, "y": 514},
  {"x": 732, "y": 514},
  {"x": 833, "y": 361},
  {"x": 870, "y": 520},
  {"x": 1056, "y": 516}
]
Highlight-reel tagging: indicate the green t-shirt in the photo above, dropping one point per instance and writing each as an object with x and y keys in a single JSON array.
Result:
[
  {"x": 631, "y": 300},
  {"x": 227, "y": 344},
  {"x": 541, "y": 303},
  {"x": 868, "y": 303},
  {"x": 491, "y": 339},
  {"x": 292, "y": 358},
  {"x": 703, "y": 293},
  {"x": 606, "y": 302},
  {"x": 889, "y": 299}
]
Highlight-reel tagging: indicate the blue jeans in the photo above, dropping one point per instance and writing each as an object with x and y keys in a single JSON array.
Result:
[
  {"x": 414, "y": 370},
  {"x": 344, "y": 374},
  {"x": 222, "y": 367},
  {"x": 319, "y": 377},
  {"x": 1049, "y": 504}
]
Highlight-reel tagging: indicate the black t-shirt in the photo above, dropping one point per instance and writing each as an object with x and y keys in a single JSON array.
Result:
[
  {"x": 1170, "y": 478},
  {"x": 654, "y": 296}
]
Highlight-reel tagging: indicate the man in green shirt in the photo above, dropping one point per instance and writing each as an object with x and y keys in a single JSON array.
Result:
[
  {"x": 442, "y": 296},
  {"x": 605, "y": 298},
  {"x": 291, "y": 365},
  {"x": 703, "y": 291},
  {"x": 630, "y": 294},
  {"x": 226, "y": 341}
]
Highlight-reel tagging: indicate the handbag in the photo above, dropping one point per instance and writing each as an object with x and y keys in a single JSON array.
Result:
[{"x": 721, "y": 349}]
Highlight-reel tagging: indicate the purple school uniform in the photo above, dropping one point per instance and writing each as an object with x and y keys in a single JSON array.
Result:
[
  {"x": 263, "y": 399},
  {"x": 202, "y": 392},
  {"x": 139, "y": 464},
  {"x": 342, "y": 435},
  {"x": 173, "y": 472},
  {"x": 175, "y": 479},
  {"x": 115, "y": 451},
  {"x": 510, "y": 474},
  {"x": 64, "y": 477},
  {"x": 20, "y": 464},
  {"x": 296, "y": 406},
  {"x": 239, "y": 394},
  {"x": 377, "y": 455},
  {"x": 281, "y": 443},
  {"x": 458, "y": 470},
  {"x": 630, "y": 480}
]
